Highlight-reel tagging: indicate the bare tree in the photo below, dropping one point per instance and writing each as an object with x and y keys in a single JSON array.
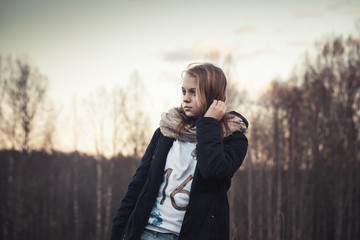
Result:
[
  {"x": 136, "y": 119},
  {"x": 250, "y": 195},
  {"x": 118, "y": 101},
  {"x": 97, "y": 109},
  {"x": 3, "y": 83},
  {"x": 76, "y": 171},
  {"x": 119, "y": 125},
  {"x": 24, "y": 94}
]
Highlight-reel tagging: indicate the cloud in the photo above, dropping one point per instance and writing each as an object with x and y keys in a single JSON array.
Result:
[
  {"x": 245, "y": 30},
  {"x": 307, "y": 13},
  {"x": 177, "y": 55},
  {"x": 335, "y": 5},
  {"x": 351, "y": 7},
  {"x": 300, "y": 43},
  {"x": 201, "y": 49},
  {"x": 342, "y": 3},
  {"x": 354, "y": 12},
  {"x": 254, "y": 54}
]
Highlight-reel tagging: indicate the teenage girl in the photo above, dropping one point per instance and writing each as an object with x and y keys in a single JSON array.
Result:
[{"x": 180, "y": 189}]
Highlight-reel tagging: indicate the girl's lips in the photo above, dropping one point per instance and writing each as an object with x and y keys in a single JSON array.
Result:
[{"x": 187, "y": 108}]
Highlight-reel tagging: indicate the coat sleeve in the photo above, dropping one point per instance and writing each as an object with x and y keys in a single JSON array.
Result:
[
  {"x": 134, "y": 189},
  {"x": 217, "y": 159}
]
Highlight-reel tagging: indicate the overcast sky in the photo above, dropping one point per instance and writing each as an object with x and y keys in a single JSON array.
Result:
[{"x": 82, "y": 45}]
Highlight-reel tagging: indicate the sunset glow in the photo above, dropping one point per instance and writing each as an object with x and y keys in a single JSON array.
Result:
[{"x": 81, "y": 46}]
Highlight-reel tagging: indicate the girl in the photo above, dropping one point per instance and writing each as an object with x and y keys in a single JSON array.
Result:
[{"x": 180, "y": 189}]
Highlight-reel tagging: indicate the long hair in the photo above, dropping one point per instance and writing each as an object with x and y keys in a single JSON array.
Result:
[{"x": 210, "y": 85}]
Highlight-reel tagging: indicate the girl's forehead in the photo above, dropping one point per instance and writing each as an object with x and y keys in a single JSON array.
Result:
[{"x": 189, "y": 82}]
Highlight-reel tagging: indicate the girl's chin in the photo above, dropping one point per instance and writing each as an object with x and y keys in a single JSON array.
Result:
[{"x": 191, "y": 115}]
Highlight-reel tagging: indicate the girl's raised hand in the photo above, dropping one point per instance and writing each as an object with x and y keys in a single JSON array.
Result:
[{"x": 216, "y": 110}]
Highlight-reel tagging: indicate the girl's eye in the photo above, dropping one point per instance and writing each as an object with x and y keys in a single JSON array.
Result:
[{"x": 192, "y": 92}]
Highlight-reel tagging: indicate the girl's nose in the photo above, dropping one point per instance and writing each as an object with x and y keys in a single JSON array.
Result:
[{"x": 186, "y": 97}]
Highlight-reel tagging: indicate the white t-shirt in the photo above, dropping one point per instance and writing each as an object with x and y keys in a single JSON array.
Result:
[{"x": 169, "y": 209}]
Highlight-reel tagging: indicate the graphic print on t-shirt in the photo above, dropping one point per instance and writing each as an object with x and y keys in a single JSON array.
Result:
[
  {"x": 174, "y": 192},
  {"x": 193, "y": 154},
  {"x": 179, "y": 189},
  {"x": 158, "y": 220}
]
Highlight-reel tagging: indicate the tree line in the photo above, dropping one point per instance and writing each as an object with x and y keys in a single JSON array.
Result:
[
  {"x": 299, "y": 179},
  {"x": 301, "y": 172}
]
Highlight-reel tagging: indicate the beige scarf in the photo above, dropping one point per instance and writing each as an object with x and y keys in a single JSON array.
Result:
[{"x": 170, "y": 120}]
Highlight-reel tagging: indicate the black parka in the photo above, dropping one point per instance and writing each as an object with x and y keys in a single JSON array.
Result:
[{"x": 207, "y": 214}]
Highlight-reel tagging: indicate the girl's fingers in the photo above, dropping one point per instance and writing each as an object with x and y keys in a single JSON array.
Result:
[
  {"x": 220, "y": 104},
  {"x": 216, "y": 110}
]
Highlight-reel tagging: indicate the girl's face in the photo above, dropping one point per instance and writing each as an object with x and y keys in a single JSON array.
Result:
[{"x": 189, "y": 103}]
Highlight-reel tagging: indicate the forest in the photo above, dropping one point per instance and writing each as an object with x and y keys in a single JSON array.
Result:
[{"x": 299, "y": 180}]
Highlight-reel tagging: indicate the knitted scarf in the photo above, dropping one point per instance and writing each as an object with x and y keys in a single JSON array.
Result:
[{"x": 170, "y": 120}]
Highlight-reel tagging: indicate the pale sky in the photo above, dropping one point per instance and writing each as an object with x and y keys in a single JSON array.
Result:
[{"x": 82, "y": 45}]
